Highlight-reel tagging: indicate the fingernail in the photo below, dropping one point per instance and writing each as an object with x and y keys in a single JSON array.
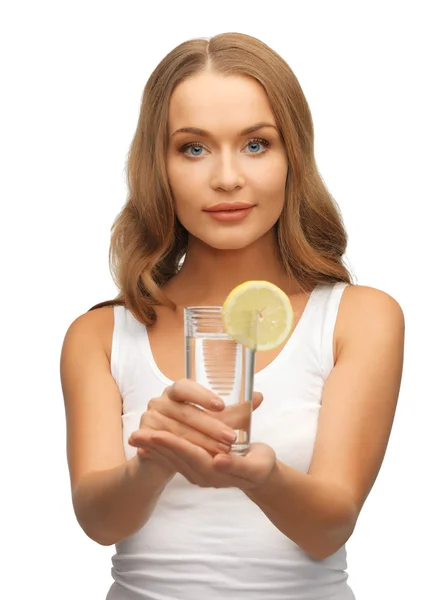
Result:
[
  {"x": 228, "y": 437},
  {"x": 217, "y": 402}
]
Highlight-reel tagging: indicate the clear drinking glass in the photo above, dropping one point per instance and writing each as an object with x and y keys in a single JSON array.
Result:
[{"x": 223, "y": 366}]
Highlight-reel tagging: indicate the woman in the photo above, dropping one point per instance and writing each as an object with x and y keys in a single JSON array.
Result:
[{"x": 224, "y": 126}]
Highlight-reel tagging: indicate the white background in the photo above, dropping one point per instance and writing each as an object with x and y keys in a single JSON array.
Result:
[{"x": 72, "y": 78}]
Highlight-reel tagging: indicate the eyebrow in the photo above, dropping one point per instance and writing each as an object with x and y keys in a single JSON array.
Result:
[{"x": 204, "y": 133}]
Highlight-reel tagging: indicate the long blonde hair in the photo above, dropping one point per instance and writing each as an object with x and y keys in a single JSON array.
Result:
[{"x": 148, "y": 242}]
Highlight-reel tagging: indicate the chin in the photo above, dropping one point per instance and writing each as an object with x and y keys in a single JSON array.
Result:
[
  {"x": 225, "y": 245},
  {"x": 232, "y": 240}
]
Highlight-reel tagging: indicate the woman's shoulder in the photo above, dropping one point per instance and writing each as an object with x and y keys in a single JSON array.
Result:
[
  {"x": 366, "y": 312},
  {"x": 92, "y": 327},
  {"x": 362, "y": 300}
]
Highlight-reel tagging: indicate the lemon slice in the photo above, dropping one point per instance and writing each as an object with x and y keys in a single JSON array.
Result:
[{"x": 258, "y": 315}]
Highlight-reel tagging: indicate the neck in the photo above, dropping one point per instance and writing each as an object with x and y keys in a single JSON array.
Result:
[{"x": 208, "y": 274}]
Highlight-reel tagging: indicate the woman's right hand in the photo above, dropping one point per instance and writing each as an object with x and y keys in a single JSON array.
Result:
[{"x": 179, "y": 410}]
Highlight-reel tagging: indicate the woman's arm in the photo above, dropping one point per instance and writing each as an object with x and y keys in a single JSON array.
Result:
[
  {"x": 318, "y": 510},
  {"x": 113, "y": 504},
  {"x": 112, "y": 497},
  {"x": 317, "y": 515}
]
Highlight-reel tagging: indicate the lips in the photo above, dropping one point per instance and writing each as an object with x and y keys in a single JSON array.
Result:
[
  {"x": 228, "y": 206},
  {"x": 230, "y": 212}
]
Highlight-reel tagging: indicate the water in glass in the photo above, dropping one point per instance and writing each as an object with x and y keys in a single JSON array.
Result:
[{"x": 222, "y": 365}]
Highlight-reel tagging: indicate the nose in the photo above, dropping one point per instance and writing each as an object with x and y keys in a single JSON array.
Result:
[{"x": 226, "y": 174}]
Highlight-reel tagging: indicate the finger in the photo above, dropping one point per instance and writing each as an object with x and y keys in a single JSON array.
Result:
[
  {"x": 157, "y": 421},
  {"x": 194, "y": 418},
  {"x": 152, "y": 451},
  {"x": 251, "y": 467},
  {"x": 150, "y": 454},
  {"x": 238, "y": 416},
  {"x": 193, "y": 462},
  {"x": 187, "y": 390},
  {"x": 189, "y": 460},
  {"x": 257, "y": 400},
  {"x": 225, "y": 463}
]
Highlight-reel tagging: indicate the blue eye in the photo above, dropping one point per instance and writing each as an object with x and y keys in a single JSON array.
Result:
[
  {"x": 199, "y": 147},
  {"x": 193, "y": 145},
  {"x": 253, "y": 144},
  {"x": 258, "y": 142}
]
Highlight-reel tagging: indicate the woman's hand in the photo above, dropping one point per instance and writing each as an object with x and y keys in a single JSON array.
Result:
[
  {"x": 200, "y": 468},
  {"x": 179, "y": 410}
]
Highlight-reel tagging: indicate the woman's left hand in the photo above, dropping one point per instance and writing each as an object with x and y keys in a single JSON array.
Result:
[{"x": 201, "y": 468}]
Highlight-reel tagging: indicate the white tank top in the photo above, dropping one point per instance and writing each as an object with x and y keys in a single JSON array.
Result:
[{"x": 216, "y": 544}]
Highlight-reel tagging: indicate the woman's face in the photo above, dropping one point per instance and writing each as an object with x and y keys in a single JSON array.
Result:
[{"x": 228, "y": 184}]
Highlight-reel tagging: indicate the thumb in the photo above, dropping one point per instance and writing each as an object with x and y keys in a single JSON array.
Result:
[
  {"x": 257, "y": 400},
  {"x": 237, "y": 416}
]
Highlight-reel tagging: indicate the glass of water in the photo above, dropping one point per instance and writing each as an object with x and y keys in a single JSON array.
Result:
[{"x": 222, "y": 365}]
